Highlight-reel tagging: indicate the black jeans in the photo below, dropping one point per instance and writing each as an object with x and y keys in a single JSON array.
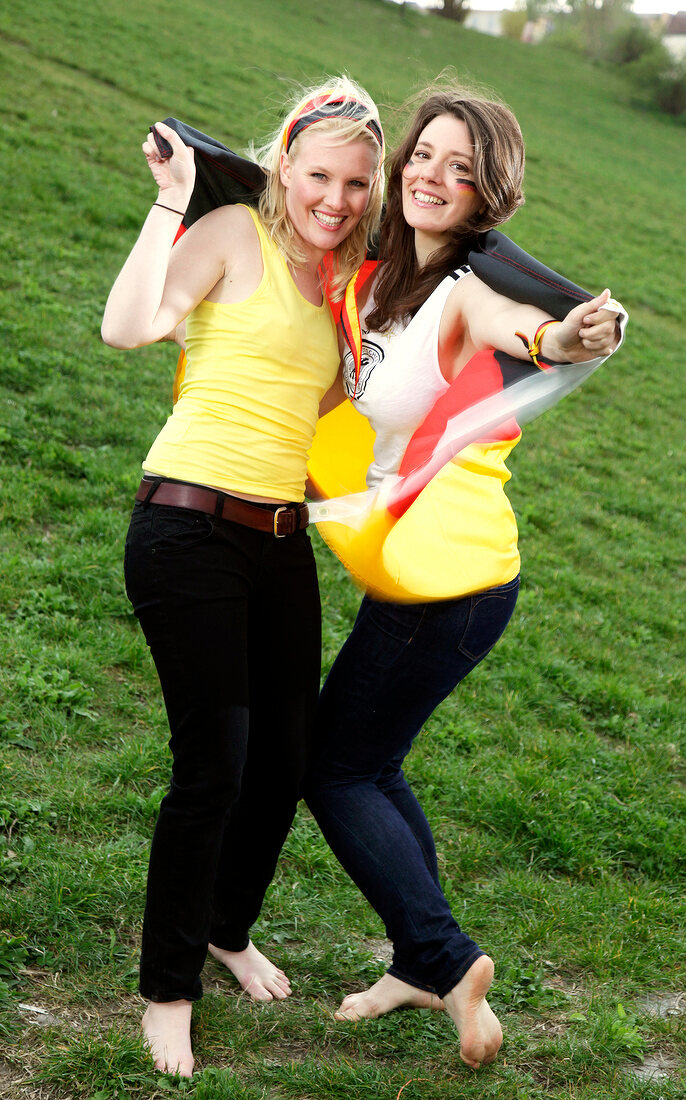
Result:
[
  {"x": 399, "y": 662},
  {"x": 232, "y": 618}
]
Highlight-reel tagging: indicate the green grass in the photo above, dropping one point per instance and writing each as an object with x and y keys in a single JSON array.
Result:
[{"x": 554, "y": 778}]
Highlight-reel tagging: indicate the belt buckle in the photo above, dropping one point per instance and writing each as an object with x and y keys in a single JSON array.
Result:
[{"x": 277, "y": 513}]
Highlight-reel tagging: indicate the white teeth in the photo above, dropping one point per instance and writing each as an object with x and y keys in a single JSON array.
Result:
[
  {"x": 328, "y": 219},
  {"x": 421, "y": 196}
]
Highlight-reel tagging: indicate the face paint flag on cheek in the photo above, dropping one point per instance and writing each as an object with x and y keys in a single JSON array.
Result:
[{"x": 426, "y": 533}]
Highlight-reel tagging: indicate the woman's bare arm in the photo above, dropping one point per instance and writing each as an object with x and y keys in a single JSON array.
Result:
[
  {"x": 159, "y": 285},
  {"x": 481, "y": 318}
]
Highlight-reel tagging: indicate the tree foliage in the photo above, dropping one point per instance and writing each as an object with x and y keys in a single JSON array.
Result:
[
  {"x": 455, "y": 9},
  {"x": 606, "y": 30},
  {"x": 512, "y": 23}
]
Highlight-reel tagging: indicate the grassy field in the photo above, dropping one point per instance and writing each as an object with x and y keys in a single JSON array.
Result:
[{"x": 554, "y": 779}]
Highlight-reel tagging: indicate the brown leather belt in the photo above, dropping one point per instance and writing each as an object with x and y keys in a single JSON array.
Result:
[{"x": 279, "y": 520}]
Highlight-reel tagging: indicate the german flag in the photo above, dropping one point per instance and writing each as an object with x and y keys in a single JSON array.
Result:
[{"x": 399, "y": 542}]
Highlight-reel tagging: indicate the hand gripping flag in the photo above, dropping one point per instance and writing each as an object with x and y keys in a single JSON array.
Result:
[
  {"x": 399, "y": 540},
  {"x": 221, "y": 176}
]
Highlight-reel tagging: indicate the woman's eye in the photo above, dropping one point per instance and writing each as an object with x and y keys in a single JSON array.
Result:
[
  {"x": 359, "y": 184},
  {"x": 318, "y": 176}
]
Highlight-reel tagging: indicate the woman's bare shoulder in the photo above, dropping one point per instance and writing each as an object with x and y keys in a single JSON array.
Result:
[
  {"x": 460, "y": 297},
  {"x": 471, "y": 296},
  {"x": 230, "y": 233},
  {"x": 227, "y": 233},
  {"x": 233, "y": 220}
]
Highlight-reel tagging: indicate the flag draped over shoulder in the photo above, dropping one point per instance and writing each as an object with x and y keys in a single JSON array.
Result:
[
  {"x": 221, "y": 176},
  {"x": 397, "y": 540}
]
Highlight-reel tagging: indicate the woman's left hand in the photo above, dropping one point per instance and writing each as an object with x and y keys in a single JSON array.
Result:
[
  {"x": 587, "y": 332},
  {"x": 174, "y": 175}
]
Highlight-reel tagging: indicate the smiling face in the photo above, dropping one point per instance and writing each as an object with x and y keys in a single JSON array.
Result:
[
  {"x": 327, "y": 188},
  {"x": 438, "y": 189}
]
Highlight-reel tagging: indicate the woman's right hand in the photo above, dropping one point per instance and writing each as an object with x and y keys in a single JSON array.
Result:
[{"x": 175, "y": 175}]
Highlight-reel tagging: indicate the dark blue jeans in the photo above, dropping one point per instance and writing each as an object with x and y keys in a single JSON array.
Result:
[
  {"x": 232, "y": 618},
  {"x": 399, "y": 663}
]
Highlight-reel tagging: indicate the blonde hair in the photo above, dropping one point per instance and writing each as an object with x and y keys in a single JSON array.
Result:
[{"x": 350, "y": 253}]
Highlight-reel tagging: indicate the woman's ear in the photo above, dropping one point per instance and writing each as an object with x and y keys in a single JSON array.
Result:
[{"x": 285, "y": 169}]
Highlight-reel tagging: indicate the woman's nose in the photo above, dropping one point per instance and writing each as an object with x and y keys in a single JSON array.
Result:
[
  {"x": 335, "y": 195},
  {"x": 430, "y": 169}
]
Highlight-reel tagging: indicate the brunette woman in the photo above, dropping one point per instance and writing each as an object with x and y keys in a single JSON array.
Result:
[{"x": 426, "y": 315}]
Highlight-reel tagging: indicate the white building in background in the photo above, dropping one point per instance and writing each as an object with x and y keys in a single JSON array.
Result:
[
  {"x": 487, "y": 22},
  {"x": 674, "y": 36},
  {"x": 671, "y": 28},
  {"x": 490, "y": 22}
]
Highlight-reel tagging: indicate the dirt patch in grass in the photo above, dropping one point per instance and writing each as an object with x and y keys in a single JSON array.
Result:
[
  {"x": 381, "y": 949},
  {"x": 566, "y": 984},
  {"x": 16, "y": 1083},
  {"x": 37, "y": 1016},
  {"x": 655, "y": 1067},
  {"x": 664, "y": 1004},
  {"x": 551, "y": 1028},
  {"x": 44, "y": 1011},
  {"x": 284, "y": 1055},
  {"x": 129, "y": 1006},
  {"x": 542, "y": 1076}
]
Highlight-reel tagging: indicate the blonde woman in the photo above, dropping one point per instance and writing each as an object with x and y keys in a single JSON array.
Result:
[{"x": 219, "y": 568}]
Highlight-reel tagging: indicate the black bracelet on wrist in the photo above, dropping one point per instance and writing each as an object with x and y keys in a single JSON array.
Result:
[{"x": 181, "y": 213}]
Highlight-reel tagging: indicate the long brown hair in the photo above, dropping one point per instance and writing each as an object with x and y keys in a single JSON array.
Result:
[{"x": 498, "y": 170}]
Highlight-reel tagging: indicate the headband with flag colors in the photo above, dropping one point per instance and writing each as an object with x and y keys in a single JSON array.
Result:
[{"x": 321, "y": 107}]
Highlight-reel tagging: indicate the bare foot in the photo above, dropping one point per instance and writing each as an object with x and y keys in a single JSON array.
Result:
[
  {"x": 385, "y": 995},
  {"x": 167, "y": 1031},
  {"x": 256, "y": 974},
  {"x": 477, "y": 1025}
]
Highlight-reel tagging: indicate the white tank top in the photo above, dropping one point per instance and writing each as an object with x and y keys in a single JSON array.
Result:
[{"x": 400, "y": 377}]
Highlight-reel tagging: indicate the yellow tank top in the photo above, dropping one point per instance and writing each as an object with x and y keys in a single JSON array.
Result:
[{"x": 248, "y": 403}]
